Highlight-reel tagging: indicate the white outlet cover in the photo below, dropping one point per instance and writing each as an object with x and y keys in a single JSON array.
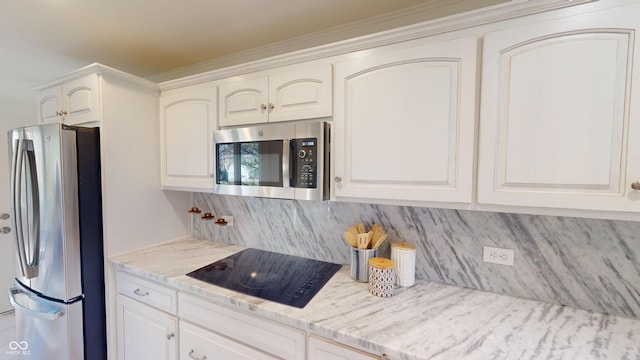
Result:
[{"x": 498, "y": 256}]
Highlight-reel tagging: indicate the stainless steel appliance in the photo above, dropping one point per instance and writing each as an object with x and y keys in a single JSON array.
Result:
[
  {"x": 281, "y": 278},
  {"x": 289, "y": 161},
  {"x": 56, "y": 203}
]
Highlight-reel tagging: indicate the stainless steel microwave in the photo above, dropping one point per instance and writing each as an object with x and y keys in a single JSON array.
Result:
[{"x": 288, "y": 161}]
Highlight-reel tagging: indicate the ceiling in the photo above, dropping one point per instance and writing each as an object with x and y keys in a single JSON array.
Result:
[{"x": 147, "y": 37}]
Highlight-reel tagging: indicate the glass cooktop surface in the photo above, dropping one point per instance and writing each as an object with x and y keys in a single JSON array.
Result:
[{"x": 284, "y": 279}]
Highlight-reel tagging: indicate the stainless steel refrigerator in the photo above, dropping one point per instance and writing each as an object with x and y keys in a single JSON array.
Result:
[{"x": 56, "y": 203}]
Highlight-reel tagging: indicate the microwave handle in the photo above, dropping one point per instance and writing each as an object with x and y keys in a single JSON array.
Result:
[{"x": 287, "y": 162}]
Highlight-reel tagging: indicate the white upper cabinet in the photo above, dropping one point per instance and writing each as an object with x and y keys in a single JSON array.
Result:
[
  {"x": 74, "y": 102},
  {"x": 290, "y": 93},
  {"x": 559, "y": 127},
  {"x": 404, "y": 124},
  {"x": 187, "y": 122}
]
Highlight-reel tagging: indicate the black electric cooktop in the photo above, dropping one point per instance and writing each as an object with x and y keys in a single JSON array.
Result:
[{"x": 285, "y": 279}]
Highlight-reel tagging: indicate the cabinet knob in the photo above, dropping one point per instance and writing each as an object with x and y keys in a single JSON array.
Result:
[
  {"x": 338, "y": 179},
  {"x": 170, "y": 336},
  {"x": 263, "y": 107},
  {"x": 636, "y": 185},
  {"x": 271, "y": 106}
]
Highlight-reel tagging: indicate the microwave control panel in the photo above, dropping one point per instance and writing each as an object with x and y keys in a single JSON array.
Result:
[{"x": 305, "y": 163}]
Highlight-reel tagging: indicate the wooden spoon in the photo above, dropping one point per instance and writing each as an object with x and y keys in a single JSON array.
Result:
[
  {"x": 379, "y": 241},
  {"x": 351, "y": 239}
]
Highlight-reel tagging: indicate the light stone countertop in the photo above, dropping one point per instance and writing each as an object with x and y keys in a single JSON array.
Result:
[{"x": 426, "y": 321}]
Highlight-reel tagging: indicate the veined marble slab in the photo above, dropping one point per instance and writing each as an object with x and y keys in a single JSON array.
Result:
[
  {"x": 426, "y": 321},
  {"x": 584, "y": 263}
]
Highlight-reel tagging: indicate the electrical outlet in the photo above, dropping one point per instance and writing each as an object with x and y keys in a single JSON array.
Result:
[{"x": 499, "y": 256}]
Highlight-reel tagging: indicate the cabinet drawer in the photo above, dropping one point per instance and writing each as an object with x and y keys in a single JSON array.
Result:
[
  {"x": 278, "y": 340},
  {"x": 321, "y": 349},
  {"x": 198, "y": 343},
  {"x": 148, "y": 292}
]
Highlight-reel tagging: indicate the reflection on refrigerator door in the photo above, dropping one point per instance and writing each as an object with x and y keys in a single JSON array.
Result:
[{"x": 45, "y": 329}]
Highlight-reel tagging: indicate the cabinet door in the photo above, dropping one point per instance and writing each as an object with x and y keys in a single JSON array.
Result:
[
  {"x": 144, "y": 332},
  {"x": 244, "y": 102},
  {"x": 300, "y": 93},
  {"x": 559, "y": 127},
  {"x": 404, "y": 123},
  {"x": 81, "y": 100},
  {"x": 319, "y": 349},
  {"x": 50, "y": 105},
  {"x": 198, "y": 343},
  {"x": 187, "y": 122}
]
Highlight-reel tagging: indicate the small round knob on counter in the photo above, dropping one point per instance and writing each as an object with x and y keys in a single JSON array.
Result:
[
  {"x": 207, "y": 216},
  {"x": 635, "y": 185},
  {"x": 194, "y": 210}
]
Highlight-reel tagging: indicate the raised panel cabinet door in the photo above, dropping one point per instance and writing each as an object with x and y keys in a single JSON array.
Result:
[
  {"x": 244, "y": 102},
  {"x": 187, "y": 122},
  {"x": 405, "y": 121},
  {"x": 144, "y": 332},
  {"x": 50, "y": 105},
  {"x": 305, "y": 93},
  {"x": 559, "y": 124},
  {"x": 319, "y": 349},
  {"x": 81, "y": 100}
]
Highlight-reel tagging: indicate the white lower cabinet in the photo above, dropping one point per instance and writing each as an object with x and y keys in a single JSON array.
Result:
[
  {"x": 320, "y": 349},
  {"x": 155, "y": 321},
  {"x": 201, "y": 344},
  {"x": 241, "y": 332},
  {"x": 146, "y": 321},
  {"x": 144, "y": 332}
]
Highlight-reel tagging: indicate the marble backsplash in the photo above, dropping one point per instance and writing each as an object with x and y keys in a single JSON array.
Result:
[{"x": 583, "y": 263}]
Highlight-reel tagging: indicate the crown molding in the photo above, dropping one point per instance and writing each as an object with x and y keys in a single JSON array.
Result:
[
  {"x": 301, "y": 49},
  {"x": 104, "y": 71}
]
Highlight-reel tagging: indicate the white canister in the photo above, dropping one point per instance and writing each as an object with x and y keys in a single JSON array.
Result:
[
  {"x": 403, "y": 255},
  {"x": 382, "y": 277}
]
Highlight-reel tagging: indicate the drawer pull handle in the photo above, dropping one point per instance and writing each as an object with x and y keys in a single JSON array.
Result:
[
  {"x": 140, "y": 293},
  {"x": 194, "y": 357}
]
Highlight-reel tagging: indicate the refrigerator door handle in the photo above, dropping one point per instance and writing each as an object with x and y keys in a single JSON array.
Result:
[
  {"x": 28, "y": 265},
  {"x": 53, "y": 314}
]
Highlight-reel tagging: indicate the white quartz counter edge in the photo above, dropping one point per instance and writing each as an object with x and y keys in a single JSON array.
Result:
[{"x": 426, "y": 321}]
